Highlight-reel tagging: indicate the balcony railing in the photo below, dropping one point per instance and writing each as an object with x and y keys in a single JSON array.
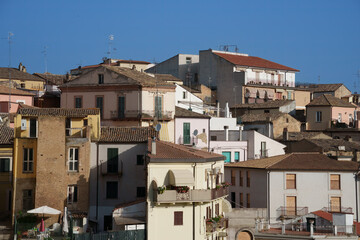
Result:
[
  {"x": 336, "y": 209},
  {"x": 193, "y": 195},
  {"x": 113, "y": 170},
  {"x": 187, "y": 140},
  {"x": 212, "y": 225},
  {"x": 76, "y": 132},
  {"x": 136, "y": 114},
  {"x": 291, "y": 212}
]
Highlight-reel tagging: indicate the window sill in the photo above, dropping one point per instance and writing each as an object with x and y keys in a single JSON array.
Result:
[{"x": 27, "y": 172}]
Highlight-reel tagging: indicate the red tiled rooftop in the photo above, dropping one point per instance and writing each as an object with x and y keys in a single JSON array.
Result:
[
  {"x": 324, "y": 215},
  {"x": 251, "y": 61}
]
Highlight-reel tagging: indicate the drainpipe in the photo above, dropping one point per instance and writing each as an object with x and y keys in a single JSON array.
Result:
[
  {"x": 356, "y": 194},
  {"x": 268, "y": 194},
  {"x": 97, "y": 185},
  {"x": 194, "y": 169}
]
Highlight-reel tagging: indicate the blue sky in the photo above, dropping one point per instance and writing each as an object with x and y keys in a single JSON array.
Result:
[{"x": 320, "y": 38}]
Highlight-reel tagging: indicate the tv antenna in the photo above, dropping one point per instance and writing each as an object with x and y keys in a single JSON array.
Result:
[
  {"x": 226, "y": 48},
  {"x": 111, "y": 39},
  {"x": 45, "y": 57}
]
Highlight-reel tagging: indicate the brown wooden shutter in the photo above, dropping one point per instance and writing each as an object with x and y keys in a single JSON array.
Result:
[
  {"x": 241, "y": 200},
  {"x": 241, "y": 179},
  {"x": 217, "y": 209},
  {"x": 248, "y": 200},
  {"x": 290, "y": 181},
  {"x": 233, "y": 177},
  {"x": 178, "y": 218},
  {"x": 335, "y": 182},
  {"x": 335, "y": 204},
  {"x": 247, "y": 178},
  {"x": 291, "y": 205}
]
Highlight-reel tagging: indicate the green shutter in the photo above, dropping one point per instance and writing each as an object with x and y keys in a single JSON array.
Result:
[
  {"x": 186, "y": 131},
  {"x": 228, "y": 156},
  {"x": 112, "y": 160},
  {"x": 121, "y": 107}
]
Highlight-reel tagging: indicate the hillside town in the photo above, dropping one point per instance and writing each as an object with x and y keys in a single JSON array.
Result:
[{"x": 214, "y": 145}]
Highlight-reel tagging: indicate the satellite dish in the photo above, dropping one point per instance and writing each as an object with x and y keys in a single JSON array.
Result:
[
  {"x": 196, "y": 132},
  {"x": 158, "y": 127}
]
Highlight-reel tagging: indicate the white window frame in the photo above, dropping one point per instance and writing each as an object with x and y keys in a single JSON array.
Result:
[
  {"x": 72, "y": 161},
  {"x": 339, "y": 117},
  {"x": 70, "y": 194},
  {"x": 318, "y": 116}
]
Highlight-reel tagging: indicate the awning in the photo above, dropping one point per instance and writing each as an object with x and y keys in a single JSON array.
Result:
[
  {"x": 279, "y": 90},
  {"x": 270, "y": 94},
  {"x": 249, "y": 92},
  {"x": 226, "y": 206},
  {"x": 181, "y": 177},
  {"x": 131, "y": 213},
  {"x": 262, "y": 93}
]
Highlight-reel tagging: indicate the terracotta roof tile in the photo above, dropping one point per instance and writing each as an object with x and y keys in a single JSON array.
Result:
[
  {"x": 333, "y": 144},
  {"x": 297, "y": 136},
  {"x": 261, "y": 117},
  {"x": 168, "y": 78},
  {"x": 329, "y": 100},
  {"x": 298, "y": 162},
  {"x": 324, "y": 87},
  {"x": 68, "y": 112},
  {"x": 250, "y": 61},
  {"x": 127, "y": 134},
  {"x": 17, "y": 74},
  {"x": 14, "y": 91},
  {"x": 324, "y": 215},
  {"x": 183, "y": 113},
  {"x": 55, "y": 79},
  {"x": 6, "y": 134},
  {"x": 117, "y": 63},
  {"x": 170, "y": 151}
]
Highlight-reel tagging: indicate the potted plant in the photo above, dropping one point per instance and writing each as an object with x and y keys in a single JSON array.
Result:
[
  {"x": 225, "y": 184},
  {"x": 161, "y": 189}
]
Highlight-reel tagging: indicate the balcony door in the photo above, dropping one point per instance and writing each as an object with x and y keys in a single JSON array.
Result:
[
  {"x": 291, "y": 206},
  {"x": 335, "y": 204},
  {"x": 186, "y": 133},
  {"x": 158, "y": 106},
  {"x": 33, "y": 126},
  {"x": 121, "y": 107},
  {"x": 100, "y": 105}
]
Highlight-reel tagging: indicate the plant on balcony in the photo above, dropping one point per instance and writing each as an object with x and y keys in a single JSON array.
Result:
[
  {"x": 225, "y": 184},
  {"x": 161, "y": 189},
  {"x": 182, "y": 189},
  {"x": 218, "y": 186}
]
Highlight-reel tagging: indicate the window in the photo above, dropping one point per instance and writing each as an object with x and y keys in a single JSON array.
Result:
[
  {"x": 248, "y": 200},
  {"x": 33, "y": 126},
  {"x": 318, "y": 116},
  {"x": 140, "y": 160},
  {"x": 228, "y": 156},
  {"x": 208, "y": 213},
  {"x": 263, "y": 151},
  {"x": 28, "y": 160},
  {"x": 188, "y": 60},
  {"x": 158, "y": 106},
  {"x": 72, "y": 196},
  {"x": 241, "y": 178},
  {"x": 140, "y": 192},
  {"x": 100, "y": 105},
  {"x": 184, "y": 95},
  {"x": 247, "y": 178},
  {"x": 213, "y": 138},
  {"x": 68, "y": 126},
  {"x": 101, "y": 78},
  {"x": 339, "y": 118},
  {"x": 290, "y": 181},
  {"x": 22, "y": 85},
  {"x": 241, "y": 200},
  {"x": 233, "y": 199},
  {"x": 266, "y": 111},
  {"x": 289, "y": 95},
  {"x": 335, "y": 183},
  {"x": 112, "y": 160},
  {"x": 335, "y": 204},
  {"x": 291, "y": 206},
  {"x": 237, "y": 156},
  {"x": 78, "y": 102},
  {"x": 28, "y": 199},
  {"x": 178, "y": 218},
  {"x": 4, "y": 164},
  {"x": 73, "y": 159},
  {"x": 186, "y": 133},
  {"x": 203, "y": 130},
  {"x": 121, "y": 107},
  {"x": 233, "y": 177},
  {"x": 111, "y": 190},
  {"x": 217, "y": 209}
]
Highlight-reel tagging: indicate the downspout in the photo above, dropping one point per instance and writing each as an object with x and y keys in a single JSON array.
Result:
[
  {"x": 97, "y": 185},
  {"x": 268, "y": 194},
  {"x": 356, "y": 195},
  {"x": 194, "y": 175},
  {"x": 209, "y": 138}
]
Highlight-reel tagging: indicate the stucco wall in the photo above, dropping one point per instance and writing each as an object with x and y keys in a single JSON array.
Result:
[
  {"x": 311, "y": 123},
  {"x": 28, "y": 100},
  {"x": 232, "y": 147},
  {"x": 186, "y": 102},
  {"x": 201, "y": 125}
]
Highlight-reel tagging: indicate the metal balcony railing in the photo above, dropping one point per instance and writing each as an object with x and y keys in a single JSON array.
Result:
[
  {"x": 187, "y": 140},
  {"x": 76, "y": 132},
  {"x": 137, "y": 114},
  {"x": 290, "y": 212},
  {"x": 193, "y": 195},
  {"x": 213, "y": 226},
  {"x": 337, "y": 209}
]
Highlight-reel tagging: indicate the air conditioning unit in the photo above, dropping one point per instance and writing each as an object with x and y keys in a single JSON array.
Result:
[
  {"x": 23, "y": 124},
  {"x": 341, "y": 148}
]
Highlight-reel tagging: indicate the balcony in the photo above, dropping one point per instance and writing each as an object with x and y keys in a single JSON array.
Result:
[
  {"x": 193, "y": 195},
  {"x": 113, "y": 170},
  {"x": 187, "y": 140},
  {"x": 291, "y": 212},
  {"x": 216, "y": 224},
  {"x": 76, "y": 132},
  {"x": 137, "y": 115},
  {"x": 337, "y": 209}
]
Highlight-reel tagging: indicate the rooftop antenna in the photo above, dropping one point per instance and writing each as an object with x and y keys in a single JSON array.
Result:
[
  {"x": 111, "y": 38},
  {"x": 226, "y": 48},
  {"x": 319, "y": 79},
  {"x": 9, "y": 40},
  {"x": 45, "y": 57},
  {"x": 358, "y": 76}
]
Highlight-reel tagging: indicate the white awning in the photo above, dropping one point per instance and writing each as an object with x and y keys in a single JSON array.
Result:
[
  {"x": 262, "y": 93},
  {"x": 279, "y": 90},
  {"x": 181, "y": 177},
  {"x": 249, "y": 92}
]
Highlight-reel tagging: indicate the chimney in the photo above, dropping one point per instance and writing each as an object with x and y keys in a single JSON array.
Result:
[
  {"x": 218, "y": 109},
  {"x": 285, "y": 134},
  {"x": 227, "y": 115},
  {"x": 241, "y": 128},
  {"x": 153, "y": 147}
]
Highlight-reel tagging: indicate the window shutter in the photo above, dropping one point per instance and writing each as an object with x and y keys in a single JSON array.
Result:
[
  {"x": 178, "y": 218},
  {"x": 335, "y": 181}
]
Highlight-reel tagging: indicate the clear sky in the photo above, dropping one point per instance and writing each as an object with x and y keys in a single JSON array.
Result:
[{"x": 318, "y": 37}]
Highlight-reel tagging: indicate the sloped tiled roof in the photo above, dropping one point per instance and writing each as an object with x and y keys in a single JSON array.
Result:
[
  {"x": 324, "y": 215},
  {"x": 183, "y": 113},
  {"x": 127, "y": 134},
  {"x": 169, "y": 151},
  {"x": 6, "y": 134},
  {"x": 268, "y": 104},
  {"x": 251, "y": 61},
  {"x": 325, "y": 87},
  {"x": 297, "y": 136},
  {"x": 55, "y": 79},
  {"x": 333, "y": 144},
  {"x": 68, "y": 112},
  {"x": 261, "y": 117},
  {"x": 298, "y": 162},
  {"x": 14, "y": 91},
  {"x": 168, "y": 78},
  {"x": 139, "y": 78},
  {"x": 330, "y": 100},
  {"x": 17, "y": 74},
  {"x": 112, "y": 64}
]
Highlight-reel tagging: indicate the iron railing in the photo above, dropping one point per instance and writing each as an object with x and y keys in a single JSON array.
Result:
[
  {"x": 137, "y": 114},
  {"x": 337, "y": 209},
  {"x": 290, "y": 212},
  {"x": 187, "y": 140},
  {"x": 193, "y": 195}
]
